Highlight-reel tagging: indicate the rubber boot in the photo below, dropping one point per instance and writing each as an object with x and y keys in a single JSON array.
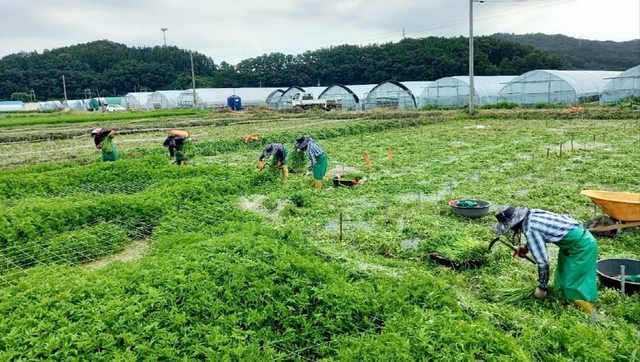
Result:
[
  {"x": 285, "y": 172},
  {"x": 583, "y": 305},
  {"x": 317, "y": 184}
]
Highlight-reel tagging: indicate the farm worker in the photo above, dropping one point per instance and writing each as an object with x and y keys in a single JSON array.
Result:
[
  {"x": 179, "y": 144},
  {"x": 575, "y": 274},
  {"x": 278, "y": 153},
  {"x": 104, "y": 142},
  {"x": 317, "y": 158}
]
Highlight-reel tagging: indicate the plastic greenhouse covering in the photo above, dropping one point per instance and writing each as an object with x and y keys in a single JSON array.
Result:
[
  {"x": 76, "y": 104},
  {"x": 454, "y": 91},
  {"x": 49, "y": 106},
  {"x": 273, "y": 97},
  {"x": 163, "y": 99},
  {"x": 348, "y": 96},
  {"x": 555, "y": 86},
  {"x": 624, "y": 85},
  {"x": 217, "y": 97},
  {"x": 136, "y": 100},
  {"x": 389, "y": 94}
]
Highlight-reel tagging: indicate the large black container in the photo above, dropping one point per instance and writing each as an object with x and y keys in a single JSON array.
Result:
[
  {"x": 472, "y": 212},
  {"x": 609, "y": 269}
]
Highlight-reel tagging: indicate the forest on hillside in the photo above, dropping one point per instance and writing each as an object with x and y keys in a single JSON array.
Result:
[
  {"x": 106, "y": 68},
  {"x": 582, "y": 54}
]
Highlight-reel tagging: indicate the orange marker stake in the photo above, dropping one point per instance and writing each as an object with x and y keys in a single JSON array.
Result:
[
  {"x": 367, "y": 161},
  {"x": 390, "y": 155}
]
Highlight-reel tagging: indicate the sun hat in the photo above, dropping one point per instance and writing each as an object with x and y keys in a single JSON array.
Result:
[
  {"x": 96, "y": 131},
  {"x": 302, "y": 142},
  {"x": 269, "y": 149},
  {"x": 508, "y": 217}
]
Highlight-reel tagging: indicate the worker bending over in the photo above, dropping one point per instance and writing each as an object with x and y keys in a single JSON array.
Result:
[
  {"x": 180, "y": 146},
  {"x": 317, "y": 158},
  {"x": 279, "y": 155},
  {"x": 104, "y": 142}
]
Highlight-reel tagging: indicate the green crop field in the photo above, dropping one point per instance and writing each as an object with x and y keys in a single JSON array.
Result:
[{"x": 143, "y": 260}]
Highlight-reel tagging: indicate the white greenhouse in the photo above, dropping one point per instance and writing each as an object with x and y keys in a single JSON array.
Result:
[
  {"x": 217, "y": 97},
  {"x": 555, "y": 86},
  {"x": 76, "y": 104},
  {"x": 348, "y": 96},
  {"x": 273, "y": 97},
  {"x": 136, "y": 100},
  {"x": 454, "y": 91},
  {"x": 389, "y": 94},
  {"x": 11, "y": 106},
  {"x": 163, "y": 99},
  {"x": 49, "y": 106},
  {"x": 625, "y": 85}
]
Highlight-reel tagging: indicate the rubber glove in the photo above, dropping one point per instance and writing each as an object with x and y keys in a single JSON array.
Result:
[
  {"x": 279, "y": 164},
  {"x": 539, "y": 293},
  {"x": 521, "y": 252},
  {"x": 307, "y": 173},
  {"x": 261, "y": 165}
]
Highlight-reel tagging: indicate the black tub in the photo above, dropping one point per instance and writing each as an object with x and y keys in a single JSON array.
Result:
[{"x": 609, "y": 269}]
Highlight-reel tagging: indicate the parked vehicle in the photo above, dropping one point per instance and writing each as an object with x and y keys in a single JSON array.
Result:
[
  {"x": 114, "y": 108},
  {"x": 305, "y": 101}
]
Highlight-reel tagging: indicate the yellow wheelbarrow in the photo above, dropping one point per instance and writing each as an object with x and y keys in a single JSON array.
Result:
[{"x": 621, "y": 209}]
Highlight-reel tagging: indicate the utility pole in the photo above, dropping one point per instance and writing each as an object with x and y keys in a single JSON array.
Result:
[
  {"x": 193, "y": 83},
  {"x": 471, "y": 85},
  {"x": 164, "y": 36},
  {"x": 64, "y": 88}
]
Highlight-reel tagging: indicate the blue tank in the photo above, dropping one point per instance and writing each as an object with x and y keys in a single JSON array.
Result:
[{"x": 234, "y": 102}]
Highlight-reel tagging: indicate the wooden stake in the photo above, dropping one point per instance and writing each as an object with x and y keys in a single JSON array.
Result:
[
  {"x": 386, "y": 211},
  {"x": 390, "y": 157},
  {"x": 548, "y": 150},
  {"x": 561, "y": 150},
  {"x": 367, "y": 161},
  {"x": 572, "y": 145}
]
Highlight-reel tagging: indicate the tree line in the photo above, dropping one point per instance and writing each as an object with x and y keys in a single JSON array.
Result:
[{"x": 104, "y": 68}]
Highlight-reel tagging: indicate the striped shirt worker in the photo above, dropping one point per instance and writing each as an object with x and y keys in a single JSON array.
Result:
[
  {"x": 313, "y": 151},
  {"x": 541, "y": 227}
]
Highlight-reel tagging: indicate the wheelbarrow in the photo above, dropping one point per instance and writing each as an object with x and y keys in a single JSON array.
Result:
[{"x": 621, "y": 209}]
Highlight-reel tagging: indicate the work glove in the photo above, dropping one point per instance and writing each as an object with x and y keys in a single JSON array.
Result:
[
  {"x": 261, "y": 165},
  {"x": 539, "y": 293},
  {"x": 521, "y": 252},
  {"x": 307, "y": 173},
  {"x": 279, "y": 164}
]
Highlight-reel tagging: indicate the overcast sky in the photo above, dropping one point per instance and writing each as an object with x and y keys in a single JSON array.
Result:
[{"x": 235, "y": 30}]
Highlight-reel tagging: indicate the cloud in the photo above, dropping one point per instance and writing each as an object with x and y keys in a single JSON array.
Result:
[{"x": 233, "y": 31}]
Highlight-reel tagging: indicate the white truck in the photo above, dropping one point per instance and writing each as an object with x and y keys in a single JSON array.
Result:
[{"x": 305, "y": 101}]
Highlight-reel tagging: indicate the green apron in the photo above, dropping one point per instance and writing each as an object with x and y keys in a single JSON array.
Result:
[
  {"x": 320, "y": 168},
  {"x": 274, "y": 161},
  {"x": 184, "y": 151},
  {"x": 109, "y": 151},
  {"x": 575, "y": 275}
]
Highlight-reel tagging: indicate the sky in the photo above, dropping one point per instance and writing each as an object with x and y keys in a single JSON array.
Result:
[{"x": 231, "y": 31}]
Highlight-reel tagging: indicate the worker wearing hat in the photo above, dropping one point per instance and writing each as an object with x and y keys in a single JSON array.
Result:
[
  {"x": 317, "y": 158},
  {"x": 104, "y": 142},
  {"x": 279, "y": 155},
  {"x": 575, "y": 274}
]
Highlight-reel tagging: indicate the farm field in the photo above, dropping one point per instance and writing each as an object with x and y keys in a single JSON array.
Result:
[{"x": 140, "y": 259}]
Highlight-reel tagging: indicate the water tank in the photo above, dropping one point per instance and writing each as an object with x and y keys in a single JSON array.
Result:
[{"x": 234, "y": 103}]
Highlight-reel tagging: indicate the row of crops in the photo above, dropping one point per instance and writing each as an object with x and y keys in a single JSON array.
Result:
[{"x": 241, "y": 266}]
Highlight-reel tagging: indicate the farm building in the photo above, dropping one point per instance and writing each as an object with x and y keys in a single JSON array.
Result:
[
  {"x": 217, "y": 97},
  {"x": 163, "y": 99},
  {"x": 11, "y": 106},
  {"x": 136, "y": 100},
  {"x": 284, "y": 102},
  {"x": 555, "y": 86},
  {"x": 273, "y": 97},
  {"x": 391, "y": 94},
  {"x": 454, "y": 91},
  {"x": 349, "y": 97},
  {"x": 624, "y": 85}
]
